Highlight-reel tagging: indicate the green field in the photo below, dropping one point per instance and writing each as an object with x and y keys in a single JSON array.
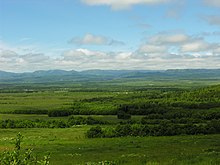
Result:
[
  {"x": 69, "y": 146},
  {"x": 189, "y": 107},
  {"x": 46, "y": 100}
]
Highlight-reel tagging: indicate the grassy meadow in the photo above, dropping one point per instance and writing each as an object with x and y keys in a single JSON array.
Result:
[
  {"x": 70, "y": 146},
  {"x": 151, "y": 103}
]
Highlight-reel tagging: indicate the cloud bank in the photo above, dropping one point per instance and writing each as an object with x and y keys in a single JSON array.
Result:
[
  {"x": 159, "y": 51},
  {"x": 123, "y": 4},
  {"x": 91, "y": 39}
]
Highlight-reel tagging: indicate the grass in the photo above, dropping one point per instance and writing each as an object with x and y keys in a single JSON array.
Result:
[
  {"x": 47, "y": 100},
  {"x": 27, "y": 117},
  {"x": 63, "y": 98},
  {"x": 70, "y": 146}
]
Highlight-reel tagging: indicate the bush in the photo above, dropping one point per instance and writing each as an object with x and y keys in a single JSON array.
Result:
[
  {"x": 59, "y": 113},
  {"x": 123, "y": 130},
  {"x": 30, "y": 111},
  {"x": 16, "y": 157},
  {"x": 123, "y": 115},
  {"x": 109, "y": 132},
  {"x": 163, "y": 129},
  {"x": 83, "y": 120},
  {"x": 95, "y": 132}
]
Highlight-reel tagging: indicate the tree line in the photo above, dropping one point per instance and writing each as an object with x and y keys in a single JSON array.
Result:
[{"x": 162, "y": 129}]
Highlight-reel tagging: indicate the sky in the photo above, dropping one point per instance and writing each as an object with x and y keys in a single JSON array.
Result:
[{"x": 109, "y": 34}]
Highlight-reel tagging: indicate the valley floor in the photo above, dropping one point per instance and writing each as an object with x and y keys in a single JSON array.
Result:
[{"x": 70, "y": 146}]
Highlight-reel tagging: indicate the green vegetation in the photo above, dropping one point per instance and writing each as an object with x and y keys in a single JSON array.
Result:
[
  {"x": 16, "y": 157},
  {"x": 161, "y": 129},
  {"x": 143, "y": 102},
  {"x": 71, "y": 121},
  {"x": 70, "y": 146},
  {"x": 120, "y": 120}
]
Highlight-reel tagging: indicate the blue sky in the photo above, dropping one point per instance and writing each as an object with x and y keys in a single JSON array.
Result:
[{"x": 109, "y": 34}]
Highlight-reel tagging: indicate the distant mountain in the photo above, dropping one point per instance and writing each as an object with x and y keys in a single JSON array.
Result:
[
  {"x": 53, "y": 72},
  {"x": 42, "y": 76},
  {"x": 4, "y": 74},
  {"x": 194, "y": 73},
  {"x": 116, "y": 73},
  {"x": 193, "y": 70}
]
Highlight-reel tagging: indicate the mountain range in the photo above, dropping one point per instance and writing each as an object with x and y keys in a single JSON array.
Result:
[{"x": 101, "y": 75}]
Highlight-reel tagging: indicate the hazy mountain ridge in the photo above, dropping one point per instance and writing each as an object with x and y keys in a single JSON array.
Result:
[{"x": 63, "y": 75}]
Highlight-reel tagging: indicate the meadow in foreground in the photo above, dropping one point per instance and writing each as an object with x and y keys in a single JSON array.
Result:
[{"x": 70, "y": 146}]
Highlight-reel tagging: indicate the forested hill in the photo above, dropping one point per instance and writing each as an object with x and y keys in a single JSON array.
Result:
[
  {"x": 181, "y": 102},
  {"x": 207, "y": 97},
  {"x": 102, "y": 75}
]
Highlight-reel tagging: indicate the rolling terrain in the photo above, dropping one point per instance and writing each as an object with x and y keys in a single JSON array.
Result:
[{"x": 113, "y": 117}]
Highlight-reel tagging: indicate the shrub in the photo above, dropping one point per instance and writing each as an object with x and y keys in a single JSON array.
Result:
[
  {"x": 30, "y": 111},
  {"x": 123, "y": 130},
  {"x": 109, "y": 132},
  {"x": 123, "y": 115},
  {"x": 16, "y": 157},
  {"x": 163, "y": 129},
  {"x": 95, "y": 132},
  {"x": 58, "y": 113}
]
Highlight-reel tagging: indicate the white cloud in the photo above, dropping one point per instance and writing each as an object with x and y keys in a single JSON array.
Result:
[
  {"x": 176, "y": 10},
  {"x": 214, "y": 3},
  {"x": 212, "y": 19},
  {"x": 82, "y": 54},
  {"x": 82, "y": 59},
  {"x": 7, "y": 54},
  {"x": 196, "y": 46},
  {"x": 151, "y": 49},
  {"x": 173, "y": 13},
  {"x": 123, "y": 56},
  {"x": 34, "y": 58},
  {"x": 115, "y": 43},
  {"x": 169, "y": 38},
  {"x": 90, "y": 39},
  {"x": 156, "y": 53},
  {"x": 178, "y": 43},
  {"x": 25, "y": 39},
  {"x": 123, "y": 4},
  {"x": 14, "y": 59},
  {"x": 214, "y": 33},
  {"x": 19, "y": 49},
  {"x": 216, "y": 51}
]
